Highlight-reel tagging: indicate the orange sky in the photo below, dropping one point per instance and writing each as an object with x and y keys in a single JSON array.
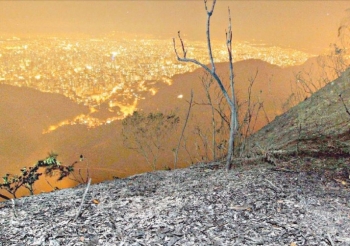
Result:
[{"x": 307, "y": 25}]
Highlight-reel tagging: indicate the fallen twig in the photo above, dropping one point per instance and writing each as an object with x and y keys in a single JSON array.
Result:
[
  {"x": 279, "y": 169},
  {"x": 14, "y": 207},
  {"x": 82, "y": 200},
  {"x": 272, "y": 184},
  {"x": 330, "y": 239}
]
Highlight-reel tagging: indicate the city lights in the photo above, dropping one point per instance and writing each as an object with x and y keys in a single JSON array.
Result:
[{"x": 115, "y": 73}]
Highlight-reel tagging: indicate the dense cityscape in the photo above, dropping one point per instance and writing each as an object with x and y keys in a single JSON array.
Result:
[{"x": 111, "y": 72}]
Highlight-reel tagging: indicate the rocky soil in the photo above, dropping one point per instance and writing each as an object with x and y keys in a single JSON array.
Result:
[{"x": 201, "y": 205}]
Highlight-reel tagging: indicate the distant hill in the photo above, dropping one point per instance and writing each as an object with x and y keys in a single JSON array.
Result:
[
  {"x": 25, "y": 112},
  {"x": 273, "y": 85},
  {"x": 270, "y": 80}
]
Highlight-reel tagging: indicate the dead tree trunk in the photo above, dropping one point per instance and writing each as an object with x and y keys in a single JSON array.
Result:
[{"x": 229, "y": 98}]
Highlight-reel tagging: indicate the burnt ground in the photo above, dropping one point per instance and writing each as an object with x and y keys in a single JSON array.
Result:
[{"x": 202, "y": 205}]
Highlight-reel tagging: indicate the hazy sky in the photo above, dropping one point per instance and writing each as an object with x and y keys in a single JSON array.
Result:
[{"x": 307, "y": 25}]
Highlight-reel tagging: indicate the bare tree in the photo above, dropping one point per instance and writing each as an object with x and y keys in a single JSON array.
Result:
[
  {"x": 176, "y": 151},
  {"x": 327, "y": 68},
  {"x": 250, "y": 110},
  {"x": 229, "y": 98},
  {"x": 147, "y": 134},
  {"x": 206, "y": 84},
  {"x": 213, "y": 137}
]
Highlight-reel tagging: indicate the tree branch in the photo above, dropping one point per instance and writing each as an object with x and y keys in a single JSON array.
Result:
[
  {"x": 209, "y": 13},
  {"x": 183, "y": 129},
  {"x": 206, "y": 68}
]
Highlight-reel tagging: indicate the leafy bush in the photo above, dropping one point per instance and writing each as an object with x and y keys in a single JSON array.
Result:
[{"x": 29, "y": 175}]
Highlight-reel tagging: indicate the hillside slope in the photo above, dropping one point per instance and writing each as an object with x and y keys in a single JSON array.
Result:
[{"x": 318, "y": 126}]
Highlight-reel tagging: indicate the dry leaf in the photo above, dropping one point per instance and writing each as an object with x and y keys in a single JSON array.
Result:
[
  {"x": 293, "y": 244},
  {"x": 240, "y": 208},
  {"x": 96, "y": 201},
  {"x": 341, "y": 181}
]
